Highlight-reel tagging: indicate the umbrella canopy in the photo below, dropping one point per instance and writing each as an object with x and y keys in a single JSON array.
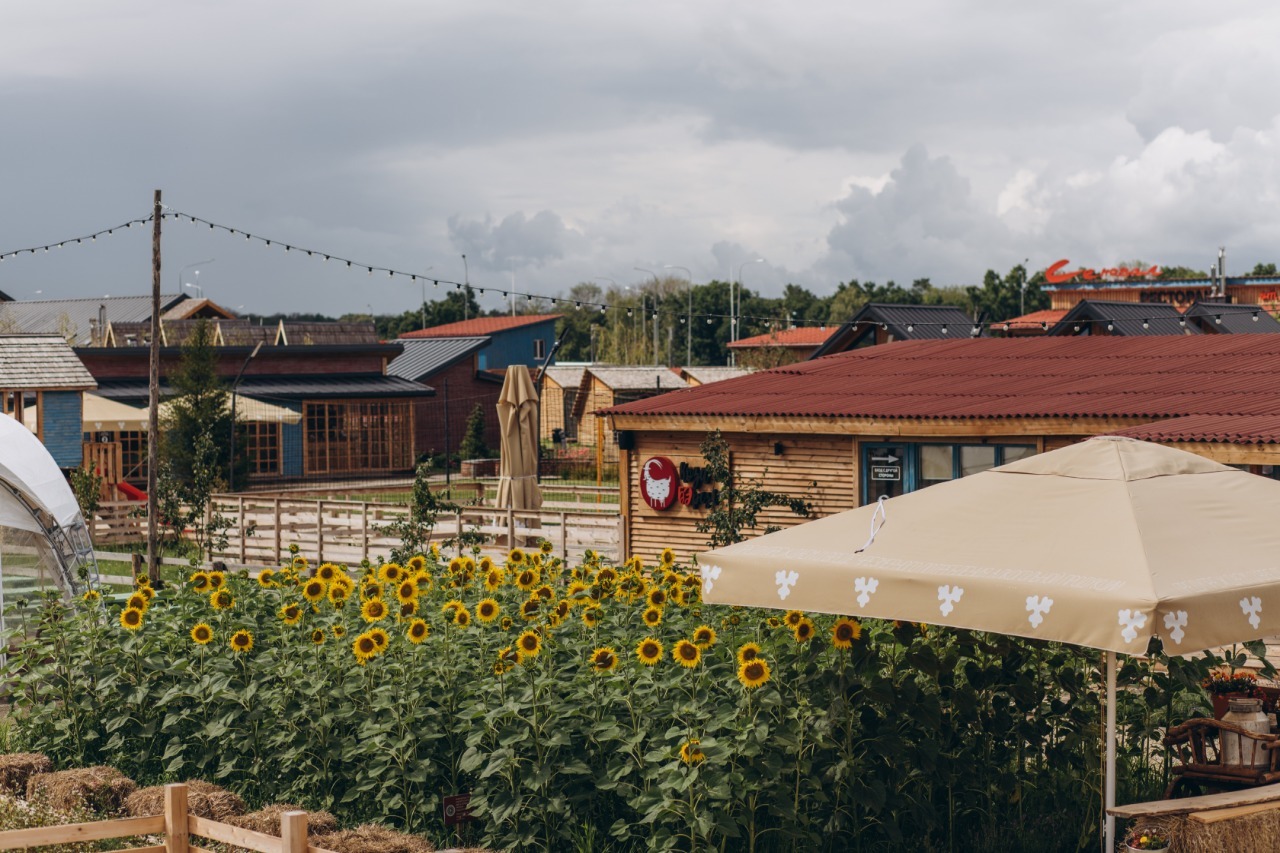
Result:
[
  {"x": 518, "y": 417},
  {"x": 1106, "y": 543}
]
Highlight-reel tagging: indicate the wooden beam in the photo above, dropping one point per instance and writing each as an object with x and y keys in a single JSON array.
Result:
[
  {"x": 1231, "y": 454},
  {"x": 176, "y": 832},
  {"x": 1187, "y": 805}
]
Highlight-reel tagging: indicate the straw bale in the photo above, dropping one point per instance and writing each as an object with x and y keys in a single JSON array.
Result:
[
  {"x": 204, "y": 799},
  {"x": 1255, "y": 832},
  {"x": 267, "y": 820},
  {"x": 99, "y": 789},
  {"x": 17, "y": 767},
  {"x": 371, "y": 838}
]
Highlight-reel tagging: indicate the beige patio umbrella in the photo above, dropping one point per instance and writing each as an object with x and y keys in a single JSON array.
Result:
[
  {"x": 518, "y": 418},
  {"x": 1106, "y": 543}
]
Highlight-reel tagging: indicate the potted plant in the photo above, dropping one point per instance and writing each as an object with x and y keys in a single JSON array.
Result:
[
  {"x": 1146, "y": 838},
  {"x": 1223, "y": 684}
]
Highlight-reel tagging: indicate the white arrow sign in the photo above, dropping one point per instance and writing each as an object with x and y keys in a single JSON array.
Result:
[{"x": 889, "y": 459}]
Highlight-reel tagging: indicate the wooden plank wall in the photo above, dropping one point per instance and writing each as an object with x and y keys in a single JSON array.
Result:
[{"x": 817, "y": 467}]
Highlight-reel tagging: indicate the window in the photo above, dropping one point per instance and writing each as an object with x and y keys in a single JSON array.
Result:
[
  {"x": 976, "y": 458},
  {"x": 539, "y": 348},
  {"x": 358, "y": 437},
  {"x": 263, "y": 443},
  {"x": 890, "y": 470},
  {"x": 133, "y": 454},
  {"x": 937, "y": 463}
]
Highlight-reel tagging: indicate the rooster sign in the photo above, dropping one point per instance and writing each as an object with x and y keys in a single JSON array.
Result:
[{"x": 658, "y": 481}]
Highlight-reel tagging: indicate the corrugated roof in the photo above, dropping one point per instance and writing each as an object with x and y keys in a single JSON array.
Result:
[
  {"x": 1038, "y": 319},
  {"x": 318, "y": 334},
  {"x": 71, "y": 318},
  {"x": 1224, "y": 429},
  {"x": 424, "y": 356},
  {"x": 1153, "y": 377},
  {"x": 1090, "y": 316},
  {"x": 636, "y": 378},
  {"x": 705, "y": 375},
  {"x": 803, "y": 336},
  {"x": 481, "y": 326},
  {"x": 286, "y": 388},
  {"x": 1233, "y": 319},
  {"x": 42, "y": 362},
  {"x": 904, "y": 322}
]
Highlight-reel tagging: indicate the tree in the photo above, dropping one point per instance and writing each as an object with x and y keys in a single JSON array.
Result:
[
  {"x": 579, "y": 321},
  {"x": 1264, "y": 269},
  {"x": 740, "y": 501},
  {"x": 473, "y": 446},
  {"x": 414, "y": 530}
]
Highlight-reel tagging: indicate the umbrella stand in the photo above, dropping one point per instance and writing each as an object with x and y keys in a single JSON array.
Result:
[{"x": 1110, "y": 784}]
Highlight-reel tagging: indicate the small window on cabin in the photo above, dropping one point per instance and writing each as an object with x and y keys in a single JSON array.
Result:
[
  {"x": 539, "y": 348},
  {"x": 976, "y": 458},
  {"x": 1014, "y": 452},
  {"x": 935, "y": 464}
]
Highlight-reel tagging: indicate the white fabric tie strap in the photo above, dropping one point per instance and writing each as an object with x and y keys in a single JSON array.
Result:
[{"x": 875, "y": 528}]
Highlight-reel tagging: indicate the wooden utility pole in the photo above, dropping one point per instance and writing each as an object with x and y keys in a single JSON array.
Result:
[{"x": 153, "y": 415}]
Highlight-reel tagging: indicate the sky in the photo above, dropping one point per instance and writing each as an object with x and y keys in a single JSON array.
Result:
[{"x": 566, "y": 141}]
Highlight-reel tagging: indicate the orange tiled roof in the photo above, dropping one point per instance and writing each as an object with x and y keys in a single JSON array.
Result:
[
  {"x": 1050, "y": 316},
  {"x": 803, "y": 336}
]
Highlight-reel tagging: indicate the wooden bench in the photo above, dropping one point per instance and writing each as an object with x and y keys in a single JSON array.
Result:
[{"x": 1200, "y": 747}]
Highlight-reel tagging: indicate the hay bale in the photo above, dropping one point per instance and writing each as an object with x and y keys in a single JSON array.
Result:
[
  {"x": 1247, "y": 833},
  {"x": 371, "y": 838},
  {"x": 267, "y": 820},
  {"x": 204, "y": 799},
  {"x": 17, "y": 767},
  {"x": 99, "y": 789}
]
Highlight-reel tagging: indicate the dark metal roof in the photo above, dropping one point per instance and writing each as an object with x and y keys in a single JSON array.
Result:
[
  {"x": 1141, "y": 377},
  {"x": 904, "y": 322},
  {"x": 319, "y": 334},
  {"x": 285, "y": 388},
  {"x": 1094, "y": 317},
  {"x": 425, "y": 356},
  {"x": 71, "y": 318},
  {"x": 1233, "y": 319},
  {"x": 1223, "y": 429}
]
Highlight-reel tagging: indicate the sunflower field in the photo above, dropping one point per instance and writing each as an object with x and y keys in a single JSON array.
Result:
[{"x": 586, "y": 707}]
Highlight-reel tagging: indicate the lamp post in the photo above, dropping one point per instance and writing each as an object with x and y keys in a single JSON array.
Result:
[
  {"x": 736, "y": 308},
  {"x": 424, "y": 298},
  {"x": 231, "y": 463},
  {"x": 688, "y": 321},
  {"x": 182, "y": 271},
  {"x": 655, "y": 311}
]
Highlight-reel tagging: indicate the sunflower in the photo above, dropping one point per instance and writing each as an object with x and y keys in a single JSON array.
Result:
[
  {"x": 773, "y": 622},
  {"x": 606, "y": 575},
  {"x": 488, "y": 610},
  {"x": 527, "y": 580},
  {"x": 667, "y": 557},
  {"x": 267, "y": 579},
  {"x": 418, "y": 631},
  {"x": 370, "y": 589},
  {"x": 752, "y": 673},
  {"x": 131, "y": 618},
  {"x": 146, "y": 592},
  {"x": 222, "y": 600},
  {"x": 691, "y": 753},
  {"x": 734, "y": 620},
  {"x": 604, "y": 659},
  {"x": 217, "y": 579},
  {"x": 418, "y": 563},
  {"x": 506, "y": 623},
  {"x": 374, "y": 610},
  {"x": 407, "y": 591},
  {"x": 576, "y": 592},
  {"x": 544, "y": 592},
  {"x": 314, "y": 590},
  {"x": 138, "y": 601},
  {"x": 201, "y": 634},
  {"x": 562, "y": 609},
  {"x": 327, "y": 572},
  {"x": 364, "y": 647},
  {"x": 652, "y": 617},
  {"x": 649, "y": 651},
  {"x": 451, "y": 607},
  {"x": 318, "y": 636},
  {"x": 686, "y": 654},
  {"x": 493, "y": 580},
  {"x": 515, "y": 557},
  {"x": 300, "y": 563},
  {"x": 242, "y": 641},
  {"x": 91, "y": 596},
  {"x": 748, "y": 652},
  {"x": 390, "y": 572},
  {"x": 142, "y": 580},
  {"x": 380, "y": 638},
  {"x": 803, "y": 632},
  {"x": 338, "y": 595},
  {"x": 422, "y": 580},
  {"x": 199, "y": 581},
  {"x": 844, "y": 632},
  {"x": 408, "y": 608},
  {"x": 506, "y": 661},
  {"x": 529, "y": 610},
  {"x": 704, "y": 637},
  {"x": 793, "y": 618},
  {"x": 291, "y": 614},
  {"x": 339, "y": 631},
  {"x": 529, "y": 644},
  {"x": 591, "y": 618},
  {"x": 657, "y": 597},
  {"x": 462, "y": 617}
]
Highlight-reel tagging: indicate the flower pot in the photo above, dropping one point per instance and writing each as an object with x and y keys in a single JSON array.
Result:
[{"x": 1129, "y": 849}]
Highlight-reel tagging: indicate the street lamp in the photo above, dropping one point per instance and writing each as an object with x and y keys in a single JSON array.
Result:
[
  {"x": 688, "y": 354},
  {"x": 424, "y": 297},
  {"x": 192, "y": 266},
  {"x": 736, "y": 308},
  {"x": 231, "y": 464},
  {"x": 655, "y": 311}
]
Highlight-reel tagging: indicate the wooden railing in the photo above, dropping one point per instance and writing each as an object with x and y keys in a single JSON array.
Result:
[{"x": 177, "y": 827}]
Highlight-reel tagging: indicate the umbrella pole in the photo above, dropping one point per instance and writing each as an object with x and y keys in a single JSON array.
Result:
[{"x": 1110, "y": 821}]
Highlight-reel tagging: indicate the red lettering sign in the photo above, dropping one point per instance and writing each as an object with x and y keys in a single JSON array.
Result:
[
  {"x": 684, "y": 495},
  {"x": 1057, "y": 274},
  {"x": 658, "y": 482}
]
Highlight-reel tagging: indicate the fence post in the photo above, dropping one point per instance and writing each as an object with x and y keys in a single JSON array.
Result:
[
  {"x": 240, "y": 516},
  {"x": 511, "y": 528},
  {"x": 136, "y": 561},
  {"x": 176, "y": 837},
  {"x": 276, "y": 501},
  {"x": 364, "y": 530},
  {"x": 564, "y": 536},
  {"x": 459, "y": 539},
  {"x": 319, "y": 531},
  {"x": 293, "y": 832}
]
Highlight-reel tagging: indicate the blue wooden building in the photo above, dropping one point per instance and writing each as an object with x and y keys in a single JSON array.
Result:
[
  {"x": 524, "y": 339},
  {"x": 42, "y": 384}
]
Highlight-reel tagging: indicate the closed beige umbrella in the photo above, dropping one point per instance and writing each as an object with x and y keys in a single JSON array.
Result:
[
  {"x": 1106, "y": 543},
  {"x": 518, "y": 418}
]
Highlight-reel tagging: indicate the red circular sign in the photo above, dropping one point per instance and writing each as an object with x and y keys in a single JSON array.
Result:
[{"x": 658, "y": 482}]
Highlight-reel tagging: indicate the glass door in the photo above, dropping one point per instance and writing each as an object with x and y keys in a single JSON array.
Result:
[{"x": 884, "y": 468}]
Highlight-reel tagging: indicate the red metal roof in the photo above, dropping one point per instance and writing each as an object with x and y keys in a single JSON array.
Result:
[
  {"x": 1225, "y": 429},
  {"x": 1048, "y": 316},
  {"x": 1148, "y": 377},
  {"x": 803, "y": 336},
  {"x": 481, "y": 326}
]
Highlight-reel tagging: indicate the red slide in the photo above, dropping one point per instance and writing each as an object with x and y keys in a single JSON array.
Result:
[{"x": 133, "y": 494}]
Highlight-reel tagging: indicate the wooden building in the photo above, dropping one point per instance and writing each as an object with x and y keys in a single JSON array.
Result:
[
  {"x": 844, "y": 430},
  {"x": 559, "y": 392},
  {"x": 521, "y": 339},
  {"x": 451, "y": 367},
  {"x": 604, "y": 386},
  {"x": 779, "y": 347},
  {"x": 42, "y": 384}
]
